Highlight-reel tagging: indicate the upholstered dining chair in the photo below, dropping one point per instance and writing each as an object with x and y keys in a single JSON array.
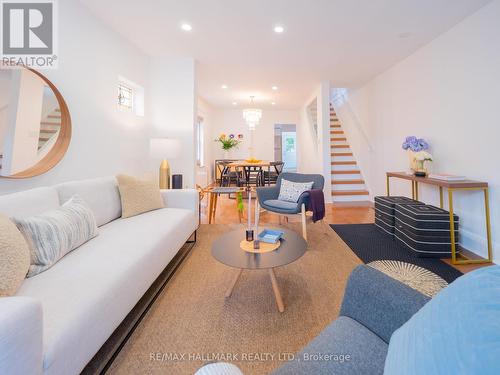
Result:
[{"x": 267, "y": 197}]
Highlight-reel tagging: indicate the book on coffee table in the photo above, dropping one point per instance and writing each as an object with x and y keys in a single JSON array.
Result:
[{"x": 447, "y": 177}]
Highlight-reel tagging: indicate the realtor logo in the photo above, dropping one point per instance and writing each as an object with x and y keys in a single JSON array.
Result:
[{"x": 28, "y": 33}]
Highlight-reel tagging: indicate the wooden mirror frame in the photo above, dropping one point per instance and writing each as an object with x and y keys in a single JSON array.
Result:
[{"x": 55, "y": 155}]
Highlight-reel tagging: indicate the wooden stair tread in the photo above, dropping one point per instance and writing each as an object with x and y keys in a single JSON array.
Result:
[
  {"x": 345, "y": 162},
  {"x": 338, "y": 139},
  {"x": 53, "y": 116},
  {"x": 349, "y": 192},
  {"x": 352, "y": 171},
  {"x": 48, "y": 131},
  {"x": 336, "y": 132},
  {"x": 348, "y": 182},
  {"x": 43, "y": 139},
  {"x": 340, "y": 146},
  {"x": 341, "y": 154}
]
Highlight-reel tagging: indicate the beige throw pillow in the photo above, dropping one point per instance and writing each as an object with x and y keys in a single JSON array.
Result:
[
  {"x": 14, "y": 257},
  {"x": 138, "y": 195}
]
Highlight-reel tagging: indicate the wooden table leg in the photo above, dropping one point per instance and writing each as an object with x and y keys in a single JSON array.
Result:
[
  {"x": 233, "y": 283},
  {"x": 210, "y": 205},
  {"x": 214, "y": 208},
  {"x": 277, "y": 293}
]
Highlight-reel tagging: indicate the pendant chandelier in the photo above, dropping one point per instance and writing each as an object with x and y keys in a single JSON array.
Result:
[{"x": 252, "y": 116}]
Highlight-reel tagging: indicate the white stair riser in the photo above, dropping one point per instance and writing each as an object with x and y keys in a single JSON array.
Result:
[
  {"x": 340, "y": 177},
  {"x": 343, "y": 187},
  {"x": 351, "y": 198},
  {"x": 348, "y": 167},
  {"x": 342, "y": 158}
]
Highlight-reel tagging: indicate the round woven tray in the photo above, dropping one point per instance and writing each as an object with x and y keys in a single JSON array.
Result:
[{"x": 264, "y": 247}]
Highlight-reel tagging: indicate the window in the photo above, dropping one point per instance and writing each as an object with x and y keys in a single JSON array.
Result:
[
  {"x": 125, "y": 97},
  {"x": 130, "y": 96},
  {"x": 200, "y": 143}
]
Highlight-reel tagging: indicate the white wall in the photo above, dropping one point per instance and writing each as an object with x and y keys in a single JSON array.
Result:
[
  {"x": 173, "y": 102},
  {"x": 105, "y": 141},
  {"x": 231, "y": 121},
  {"x": 447, "y": 92},
  {"x": 313, "y": 150},
  {"x": 205, "y": 174}
]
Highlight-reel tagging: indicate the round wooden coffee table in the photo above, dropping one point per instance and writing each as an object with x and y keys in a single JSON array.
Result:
[{"x": 226, "y": 249}]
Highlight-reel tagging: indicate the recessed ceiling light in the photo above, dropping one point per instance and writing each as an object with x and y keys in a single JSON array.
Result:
[
  {"x": 279, "y": 29},
  {"x": 275, "y": 88},
  {"x": 234, "y": 103},
  {"x": 273, "y": 103},
  {"x": 223, "y": 87},
  {"x": 186, "y": 27}
]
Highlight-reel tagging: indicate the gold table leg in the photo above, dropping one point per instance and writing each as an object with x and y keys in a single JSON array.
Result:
[
  {"x": 388, "y": 187},
  {"x": 210, "y": 207},
  {"x": 413, "y": 190},
  {"x": 488, "y": 229},
  {"x": 416, "y": 190},
  {"x": 441, "y": 197}
]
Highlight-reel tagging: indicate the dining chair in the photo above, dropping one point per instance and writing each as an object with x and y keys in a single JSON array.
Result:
[
  {"x": 267, "y": 197},
  {"x": 272, "y": 175}
]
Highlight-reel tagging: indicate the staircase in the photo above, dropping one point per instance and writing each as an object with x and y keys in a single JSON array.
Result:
[
  {"x": 347, "y": 183},
  {"x": 49, "y": 127}
]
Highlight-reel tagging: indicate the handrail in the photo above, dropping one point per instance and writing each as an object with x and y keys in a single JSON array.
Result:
[{"x": 342, "y": 97}]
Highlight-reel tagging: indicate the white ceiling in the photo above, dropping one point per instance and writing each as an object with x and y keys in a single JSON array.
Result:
[{"x": 345, "y": 41}]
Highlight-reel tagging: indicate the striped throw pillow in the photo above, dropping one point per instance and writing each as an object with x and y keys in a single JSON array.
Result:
[{"x": 52, "y": 235}]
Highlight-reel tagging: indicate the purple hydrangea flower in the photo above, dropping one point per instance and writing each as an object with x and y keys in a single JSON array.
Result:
[{"x": 415, "y": 144}]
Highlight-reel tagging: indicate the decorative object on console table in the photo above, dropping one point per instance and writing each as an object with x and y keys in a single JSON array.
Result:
[
  {"x": 417, "y": 154},
  {"x": 165, "y": 148},
  {"x": 177, "y": 181}
]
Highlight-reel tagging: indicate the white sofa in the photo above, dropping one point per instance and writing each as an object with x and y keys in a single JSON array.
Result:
[{"x": 60, "y": 318}]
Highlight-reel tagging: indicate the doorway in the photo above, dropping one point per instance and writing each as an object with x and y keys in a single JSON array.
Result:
[{"x": 285, "y": 146}]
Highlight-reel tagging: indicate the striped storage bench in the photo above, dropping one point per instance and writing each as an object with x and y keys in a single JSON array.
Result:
[
  {"x": 384, "y": 212},
  {"x": 424, "y": 229}
]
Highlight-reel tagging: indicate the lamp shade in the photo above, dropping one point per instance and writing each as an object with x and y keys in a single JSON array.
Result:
[{"x": 165, "y": 148}]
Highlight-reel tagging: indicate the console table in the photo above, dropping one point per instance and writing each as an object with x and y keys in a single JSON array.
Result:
[{"x": 451, "y": 186}]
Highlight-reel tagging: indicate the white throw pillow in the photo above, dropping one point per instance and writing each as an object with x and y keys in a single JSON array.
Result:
[
  {"x": 52, "y": 235},
  {"x": 291, "y": 191}
]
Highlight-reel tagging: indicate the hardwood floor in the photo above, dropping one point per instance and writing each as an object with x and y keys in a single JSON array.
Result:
[{"x": 338, "y": 213}]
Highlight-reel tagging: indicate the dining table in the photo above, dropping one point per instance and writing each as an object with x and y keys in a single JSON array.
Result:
[{"x": 247, "y": 166}]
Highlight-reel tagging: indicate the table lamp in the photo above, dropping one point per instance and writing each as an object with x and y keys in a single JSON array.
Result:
[{"x": 165, "y": 148}]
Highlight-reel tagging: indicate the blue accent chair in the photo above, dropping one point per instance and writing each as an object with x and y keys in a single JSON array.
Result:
[{"x": 268, "y": 197}]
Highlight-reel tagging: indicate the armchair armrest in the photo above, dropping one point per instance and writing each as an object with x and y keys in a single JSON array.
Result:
[
  {"x": 21, "y": 336},
  {"x": 181, "y": 198},
  {"x": 304, "y": 197},
  {"x": 267, "y": 193},
  {"x": 379, "y": 302}
]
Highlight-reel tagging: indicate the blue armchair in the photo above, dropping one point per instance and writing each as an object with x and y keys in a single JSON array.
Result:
[{"x": 268, "y": 197}]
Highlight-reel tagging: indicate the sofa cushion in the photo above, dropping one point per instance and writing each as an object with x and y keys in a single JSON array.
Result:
[
  {"x": 101, "y": 195},
  {"x": 281, "y": 205},
  {"x": 14, "y": 256},
  {"x": 53, "y": 234},
  {"x": 138, "y": 195},
  {"x": 457, "y": 332},
  {"x": 29, "y": 203},
  {"x": 87, "y": 294},
  {"x": 344, "y": 347}
]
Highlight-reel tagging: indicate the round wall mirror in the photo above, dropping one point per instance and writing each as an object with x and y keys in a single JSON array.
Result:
[{"x": 35, "y": 125}]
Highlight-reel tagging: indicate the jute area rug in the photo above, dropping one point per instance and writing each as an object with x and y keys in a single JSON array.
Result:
[{"x": 192, "y": 322}]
